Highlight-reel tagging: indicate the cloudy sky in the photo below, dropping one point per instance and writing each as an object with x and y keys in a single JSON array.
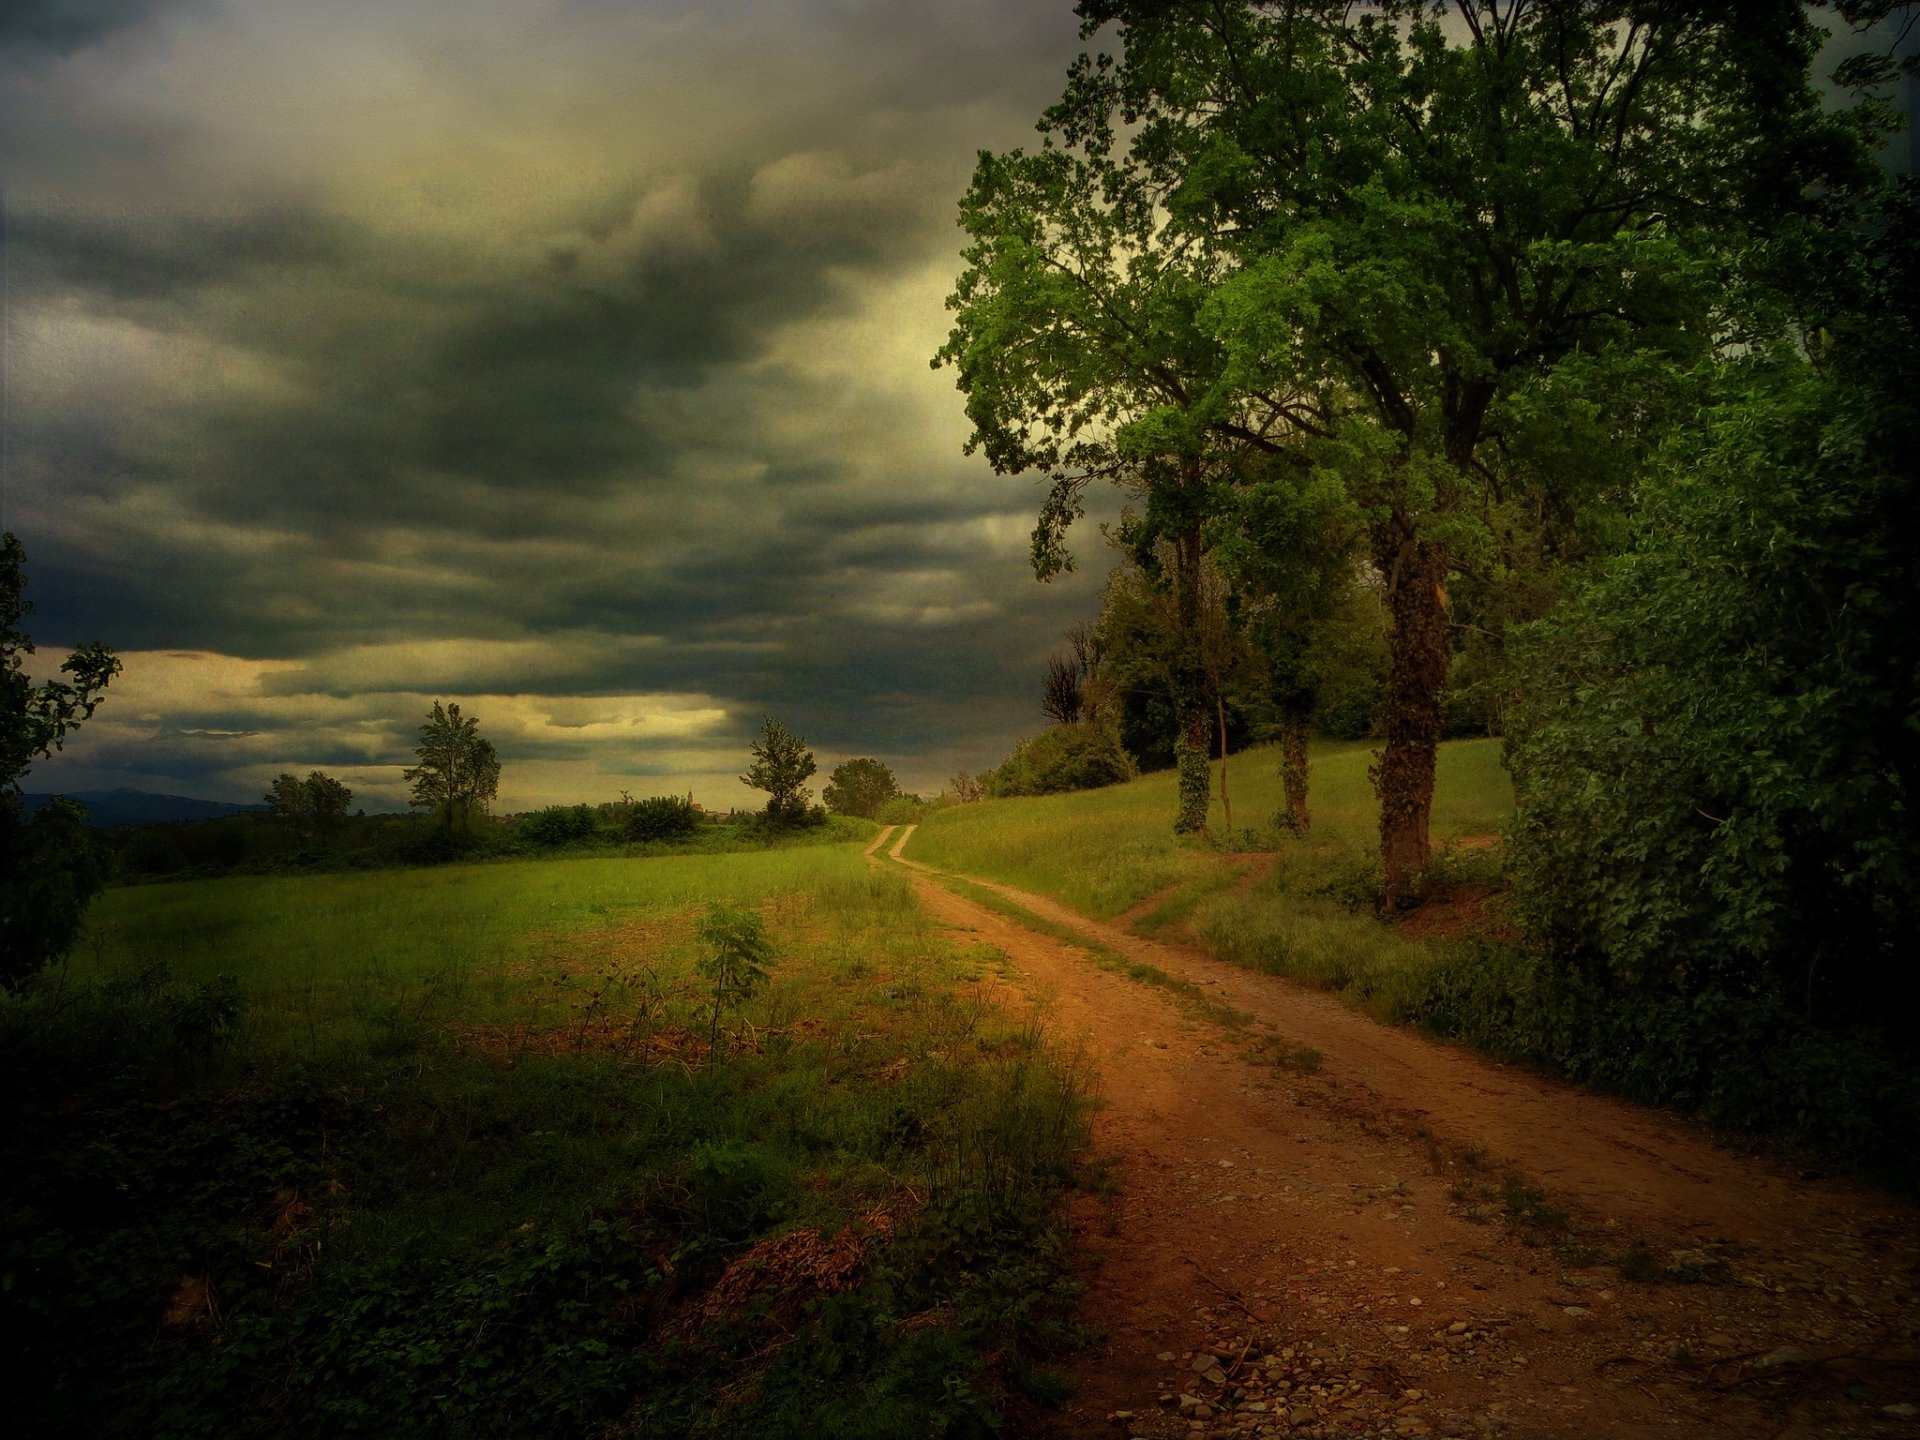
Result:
[{"x": 564, "y": 358}]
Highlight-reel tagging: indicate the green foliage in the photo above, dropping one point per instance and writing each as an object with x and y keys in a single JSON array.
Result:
[
  {"x": 309, "y": 808},
  {"x": 662, "y": 817},
  {"x": 1066, "y": 757},
  {"x": 1196, "y": 788},
  {"x": 50, "y": 867},
  {"x": 1715, "y": 736},
  {"x": 1449, "y": 275},
  {"x": 458, "y": 774},
  {"x": 735, "y": 958},
  {"x": 560, "y": 825},
  {"x": 781, "y": 766},
  {"x": 860, "y": 787},
  {"x": 901, "y": 810}
]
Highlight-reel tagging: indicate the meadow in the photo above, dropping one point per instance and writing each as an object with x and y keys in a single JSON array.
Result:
[
  {"x": 1299, "y": 905},
  {"x": 475, "y": 1150},
  {"x": 1105, "y": 851}
]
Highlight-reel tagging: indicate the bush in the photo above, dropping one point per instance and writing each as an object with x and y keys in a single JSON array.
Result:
[
  {"x": 560, "y": 824},
  {"x": 661, "y": 817},
  {"x": 901, "y": 810},
  {"x": 428, "y": 842},
  {"x": 1067, "y": 757}
]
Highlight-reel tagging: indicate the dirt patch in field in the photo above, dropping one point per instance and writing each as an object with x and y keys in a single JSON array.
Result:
[{"x": 1411, "y": 1240}]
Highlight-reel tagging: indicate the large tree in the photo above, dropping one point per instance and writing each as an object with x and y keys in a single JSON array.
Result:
[
  {"x": 782, "y": 765},
  {"x": 1418, "y": 226},
  {"x": 458, "y": 773},
  {"x": 311, "y": 807},
  {"x": 1077, "y": 340},
  {"x": 859, "y": 787},
  {"x": 49, "y": 867}
]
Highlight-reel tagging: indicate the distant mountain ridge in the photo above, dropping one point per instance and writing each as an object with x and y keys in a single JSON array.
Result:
[{"x": 107, "y": 808}]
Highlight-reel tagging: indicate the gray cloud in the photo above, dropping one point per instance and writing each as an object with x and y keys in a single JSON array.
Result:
[
  {"x": 599, "y": 380},
  {"x": 63, "y": 26}
]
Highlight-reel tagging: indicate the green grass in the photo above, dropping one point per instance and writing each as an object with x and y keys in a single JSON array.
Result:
[
  {"x": 1309, "y": 919},
  {"x": 319, "y": 954},
  {"x": 1104, "y": 851},
  {"x": 463, "y": 1162}
]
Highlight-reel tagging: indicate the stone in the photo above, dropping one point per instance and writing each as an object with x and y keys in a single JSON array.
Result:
[
  {"x": 1164, "y": 1357},
  {"x": 1785, "y": 1355},
  {"x": 1576, "y": 1311}
]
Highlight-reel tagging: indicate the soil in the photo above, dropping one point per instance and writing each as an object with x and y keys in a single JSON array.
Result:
[{"x": 1408, "y": 1239}]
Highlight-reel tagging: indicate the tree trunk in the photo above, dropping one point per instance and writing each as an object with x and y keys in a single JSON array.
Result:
[
  {"x": 1226, "y": 805},
  {"x": 1293, "y": 773},
  {"x": 1416, "y": 571},
  {"x": 1189, "y": 689}
]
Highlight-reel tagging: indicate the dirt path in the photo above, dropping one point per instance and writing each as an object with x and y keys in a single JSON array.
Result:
[{"x": 1353, "y": 1224}]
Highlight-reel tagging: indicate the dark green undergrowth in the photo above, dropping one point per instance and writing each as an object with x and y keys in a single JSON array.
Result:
[
  {"x": 1741, "y": 1063},
  {"x": 255, "y": 845},
  {"x": 845, "y": 1222}
]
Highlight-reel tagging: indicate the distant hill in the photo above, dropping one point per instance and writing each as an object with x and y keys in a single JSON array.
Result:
[{"x": 107, "y": 808}]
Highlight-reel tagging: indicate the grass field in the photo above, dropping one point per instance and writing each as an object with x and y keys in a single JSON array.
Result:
[
  {"x": 454, "y": 1152},
  {"x": 1310, "y": 917},
  {"x": 1103, "y": 851}
]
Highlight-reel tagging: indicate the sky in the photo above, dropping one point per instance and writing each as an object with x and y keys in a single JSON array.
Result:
[{"x": 565, "y": 359}]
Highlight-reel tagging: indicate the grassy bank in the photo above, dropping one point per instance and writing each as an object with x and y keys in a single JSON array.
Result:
[
  {"x": 1309, "y": 916},
  {"x": 1104, "y": 851},
  {"x": 457, "y": 1152},
  {"x": 1456, "y": 967}
]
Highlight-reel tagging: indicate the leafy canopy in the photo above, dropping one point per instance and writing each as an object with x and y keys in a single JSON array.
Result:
[
  {"x": 50, "y": 867},
  {"x": 458, "y": 774},
  {"x": 782, "y": 765},
  {"x": 310, "y": 807},
  {"x": 859, "y": 787}
]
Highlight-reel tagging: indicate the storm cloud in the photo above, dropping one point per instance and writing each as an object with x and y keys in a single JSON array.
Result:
[{"x": 568, "y": 359}]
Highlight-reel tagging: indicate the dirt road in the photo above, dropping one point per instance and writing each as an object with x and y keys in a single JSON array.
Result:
[{"x": 1411, "y": 1240}]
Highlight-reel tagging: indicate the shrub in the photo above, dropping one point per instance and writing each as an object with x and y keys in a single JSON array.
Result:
[
  {"x": 1067, "y": 757},
  {"x": 560, "y": 824},
  {"x": 661, "y": 817},
  {"x": 901, "y": 810}
]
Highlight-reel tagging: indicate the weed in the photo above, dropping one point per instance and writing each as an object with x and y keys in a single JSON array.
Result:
[
  {"x": 1271, "y": 1049},
  {"x": 1526, "y": 1206}
]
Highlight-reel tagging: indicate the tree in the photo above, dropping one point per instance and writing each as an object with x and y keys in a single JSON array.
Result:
[
  {"x": 1292, "y": 553},
  {"x": 458, "y": 773},
  {"x": 1060, "y": 695},
  {"x": 311, "y": 807},
  {"x": 1714, "y": 741},
  {"x": 1079, "y": 343},
  {"x": 965, "y": 788},
  {"x": 781, "y": 766},
  {"x": 50, "y": 869},
  {"x": 1065, "y": 757},
  {"x": 859, "y": 787},
  {"x": 1410, "y": 242}
]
